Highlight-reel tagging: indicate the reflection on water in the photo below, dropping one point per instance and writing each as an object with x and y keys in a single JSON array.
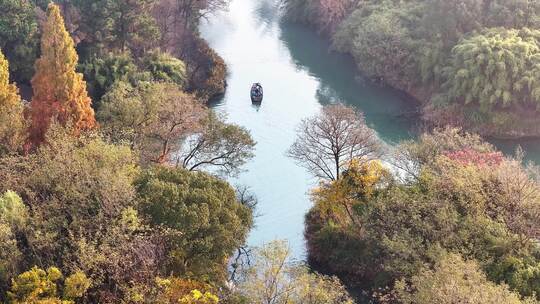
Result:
[
  {"x": 531, "y": 147},
  {"x": 339, "y": 82},
  {"x": 299, "y": 75}
]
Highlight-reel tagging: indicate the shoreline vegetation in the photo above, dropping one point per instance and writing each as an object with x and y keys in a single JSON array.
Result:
[
  {"x": 470, "y": 64},
  {"x": 458, "y": 222}
]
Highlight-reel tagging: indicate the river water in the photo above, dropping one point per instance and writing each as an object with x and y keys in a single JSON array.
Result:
[{"x": 299, "y": 75}]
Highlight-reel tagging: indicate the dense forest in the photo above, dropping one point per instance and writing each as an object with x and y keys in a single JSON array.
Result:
[{"x": 470, "y": 63}]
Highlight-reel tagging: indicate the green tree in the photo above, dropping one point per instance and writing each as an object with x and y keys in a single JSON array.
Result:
[
  {"x": 164, "y": 67},
  {"x": 119, "y": 24},
  {"x": 19, "y": 37},
  {"x": 454, "y": 280},
  {"x": 101, "y": 73},
  {"x": 202, "y": 211},
  {"x": 382, "y": 44},
  {"x": 13, "y": 219},
  {"x": 496, "y": 68}
]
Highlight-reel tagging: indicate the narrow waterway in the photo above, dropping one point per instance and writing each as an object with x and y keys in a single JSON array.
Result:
[{"x": 299, "y": 75}]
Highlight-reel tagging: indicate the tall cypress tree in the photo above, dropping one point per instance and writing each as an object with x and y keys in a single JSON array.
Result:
[
  {"x": 11, "y": 110},
  {"x": 59, "y": 91}
]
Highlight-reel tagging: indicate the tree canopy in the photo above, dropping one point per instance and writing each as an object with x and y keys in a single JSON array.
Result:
[
  {"x": 209, "y": 220},
  {"x": 12, "y": 124}
]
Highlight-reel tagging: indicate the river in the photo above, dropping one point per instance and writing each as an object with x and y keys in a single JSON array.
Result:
[{"x": 299, "y": 75}]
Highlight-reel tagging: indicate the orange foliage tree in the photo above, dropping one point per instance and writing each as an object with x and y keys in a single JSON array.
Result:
[{"x": 59, "y": 92}]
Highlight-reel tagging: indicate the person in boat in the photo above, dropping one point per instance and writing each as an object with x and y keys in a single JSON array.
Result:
[{"x": 256, "y": 89}]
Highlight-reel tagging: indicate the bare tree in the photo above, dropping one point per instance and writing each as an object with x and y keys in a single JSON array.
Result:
[
  {"x": 328, "y": 142},
  {"x": 219, "y": 145}
]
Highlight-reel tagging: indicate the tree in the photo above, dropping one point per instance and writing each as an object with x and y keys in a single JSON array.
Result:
[
  {"x": 378, "y": 37},
  {"x": 19, "y": 37},
  {"x": 197, "y": 297},
  {"x": 132, "y": 24},
  {"x": 495, "y": 69},
  {"x": 463, "y": 197},
  {"x": 13, "y": 219},
  {"x": 410, "y": 155},
  {"x": 273, "y": 279},
  {"x": 12, "y": 122},
  {"x": 177, "y": 290},
  {"x": 59, "y": 92},
  {"x": 41, "y": 287},
  {"x": 454, "y": 280},
  {"x": 203, "y": 213},
  {"x": 178, "y": 19},
  {"x": 326, "y": 15},
  {"x": 101, "y": 73},
  {"x": 225, "y": 147},
  {"x": 327, "y": 143},
  {"x": 152, "y": 117},
  {"x": 340, "y": 199},
  {"x": 165, "y": 67},
  {"x": 206, "y": 69},
  {"x": 118, "y": 25},
  {"x": 517, "y": 203}
]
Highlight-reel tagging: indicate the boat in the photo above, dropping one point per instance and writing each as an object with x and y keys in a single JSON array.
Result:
[{"x": 256, "y": 92}]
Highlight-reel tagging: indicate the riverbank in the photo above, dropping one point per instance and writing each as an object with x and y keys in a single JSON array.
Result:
[
  {"x": 207, "y": 71},
  {"x": 379, "y": 232},
  {"x": 441, "y": 58}
]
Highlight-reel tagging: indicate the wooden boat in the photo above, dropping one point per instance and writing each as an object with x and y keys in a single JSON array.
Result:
[{"x": 256, "y": 92}]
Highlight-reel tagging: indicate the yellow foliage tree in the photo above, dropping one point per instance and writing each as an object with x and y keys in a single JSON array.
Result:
[
  {"x": 197, "y": 297},
  {"x": 337, "y": 198},
  {"x": 38, "y": 286},
  {"x": 11, "y": 111},
  {"x": 59, "y": 92}
]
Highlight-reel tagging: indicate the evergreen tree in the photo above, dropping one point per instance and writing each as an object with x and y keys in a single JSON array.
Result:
[
  {"x": 19, "y": 37},
  {"x": 59, "y": 92},
  {"x": 11, "y": 110}
]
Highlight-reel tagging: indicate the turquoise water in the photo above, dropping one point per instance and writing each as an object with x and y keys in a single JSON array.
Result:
[{"x": 299, "y": 75}]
